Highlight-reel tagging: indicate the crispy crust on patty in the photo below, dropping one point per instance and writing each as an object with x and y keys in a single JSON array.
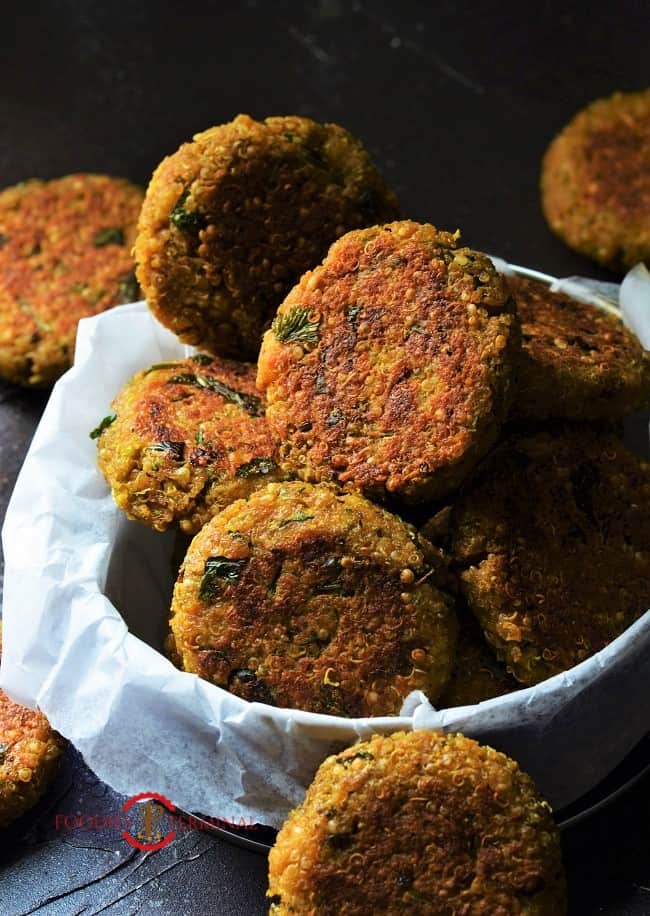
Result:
[
  {"x": 387, "y": 368},
  {"x": 303, "y": 597},
  {"x": 420, "y": 823},
  {"x": 553, "y": 538},
  {"x": 596, "y": 181},
  {"x": 232, "y": 219},
  {"x": 29, "y": 757},
  {"x": 577, "y": 361},
  {"x": 65, "y": 254},
  {"x": 188, "y": 439}
]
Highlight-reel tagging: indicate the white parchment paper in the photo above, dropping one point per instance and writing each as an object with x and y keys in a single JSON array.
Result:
[{"x": 86, "y": 599}]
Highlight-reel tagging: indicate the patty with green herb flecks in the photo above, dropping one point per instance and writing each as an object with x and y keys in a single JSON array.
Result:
[
  {"x": 65, "y": 254},
  {"x": 184, "y": 440},
  {"x": 232, "y": 220},
  {"x": 577, "y": 360},
  {"x": 29, "y": 756},
  {"x": 552, "y": 539},
  {"x": 419, "y": 823},
  {"x": 388, "y": 368},
  {"x": 308, "y": 598}
]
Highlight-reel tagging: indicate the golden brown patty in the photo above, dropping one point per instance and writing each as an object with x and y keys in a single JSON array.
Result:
[
  {"x": 187, "y": 438},
  {"x": 477, "y": 675},
  {"x": 232, "y": 219},
  {"x": 29, "y": 757},
  {"x": 65, "y": 253},
  {"x": 596, "y": 181},
  {"x": 553, "y": 536},
  {"x": 577, "y": 361},
  {"x": 388, "y": 367},
  {"x": 302, "y": 597},
  {"x": 419, "y": 823}
]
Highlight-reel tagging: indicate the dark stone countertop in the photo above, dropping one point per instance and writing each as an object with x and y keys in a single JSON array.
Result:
[{"x": 457, "y": 104}]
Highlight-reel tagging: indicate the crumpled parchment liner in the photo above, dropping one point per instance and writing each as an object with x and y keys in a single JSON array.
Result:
[{"x": 86, "y": 600}]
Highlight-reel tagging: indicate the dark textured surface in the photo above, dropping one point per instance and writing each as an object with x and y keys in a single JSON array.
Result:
[{"x": 457, "y": 103}]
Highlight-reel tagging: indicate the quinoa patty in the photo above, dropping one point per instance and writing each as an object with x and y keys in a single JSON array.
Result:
[
  {"x": 477, "y": 675},
  {"x": 303, "y": 597},
  {"x": 65, "y": 253},
  {"x": 29, "y": 757},
  {"x": 418, "y": 823},
  {"x": 232, "y": 219},
  {"x": 577, "y": 360},
  {"x": 553, "y": 538},
  {"x": 186, "y": 439},
  {"x": 596, "y": 181},
  {"x": 387, "y": 368}
]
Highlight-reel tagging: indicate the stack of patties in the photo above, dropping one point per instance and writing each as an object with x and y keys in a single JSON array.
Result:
[
  {"x": 551, "y": 535},
  {"x": 390, "y": 380}
]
